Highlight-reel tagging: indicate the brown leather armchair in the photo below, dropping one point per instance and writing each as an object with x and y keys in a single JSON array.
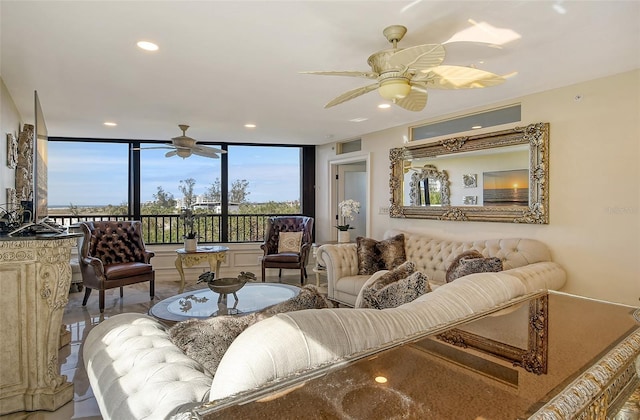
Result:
[
  {"x": 112, "y": 255},
  {"x": 287, "y": 259}
]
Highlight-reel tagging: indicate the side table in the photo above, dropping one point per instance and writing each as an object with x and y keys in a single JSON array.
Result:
[
  {"x": 214, "y": 255},
  {"x": 320, "y": 271}
]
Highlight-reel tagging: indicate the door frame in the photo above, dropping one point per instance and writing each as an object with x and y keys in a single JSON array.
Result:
[{"x": 332, "y": 203}]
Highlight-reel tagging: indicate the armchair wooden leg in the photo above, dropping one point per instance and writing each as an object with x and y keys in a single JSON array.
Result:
[
  {"x": 301, "y": 276},
  {"x": 152, "y": 289},
  {"x": 279, "y": 272},
  {"x": 87, "y": 292},
  {"x": 101, "y": 300},
  {"x": 263, "y": 277},
  {"x": 121, "y": 292}
]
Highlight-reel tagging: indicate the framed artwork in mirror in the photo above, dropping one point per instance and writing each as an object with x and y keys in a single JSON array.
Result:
[
  {"x": 470, "y": 180},
  {"x": 513, "y": 185}
]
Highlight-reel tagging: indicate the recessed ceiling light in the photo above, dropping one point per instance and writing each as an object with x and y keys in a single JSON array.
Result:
[
  {"x": 110, "y": 124},
  {"x": 358, "y": 119},
  {"x": 559, "y": 8},
  {"x": 147, "y": 46},
  {"x": 475, "y": 127},
  {"x": 384, "y": 106},
  {"x": 250, "y": 126},
  {"x": 381, "y": 379}
]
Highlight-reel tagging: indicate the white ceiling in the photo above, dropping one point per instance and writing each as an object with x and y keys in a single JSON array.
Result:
[{"x": 222, "y": 64}]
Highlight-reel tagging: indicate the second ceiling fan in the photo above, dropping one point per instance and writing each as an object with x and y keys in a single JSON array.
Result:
[{"x": 404, "y": 75}]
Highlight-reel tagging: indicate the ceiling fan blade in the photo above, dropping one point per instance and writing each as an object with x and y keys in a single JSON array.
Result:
[
  {"x": 416, "y": 100},
  {"x": 206, "y": 154},
  {"x": 352, "y": 94},
  {"x": 364, "y": 74},
  {"x": 206, "y": 149},
  {"x": 171, "y": 153},
  {"x": 458, "y": 77},
  {"x": 419, "y": 57}
]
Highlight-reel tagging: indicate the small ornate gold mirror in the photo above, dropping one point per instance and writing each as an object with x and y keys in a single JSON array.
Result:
[{"x": 492, "y": 177}]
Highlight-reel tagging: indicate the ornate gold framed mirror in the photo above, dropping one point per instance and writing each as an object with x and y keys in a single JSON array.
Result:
[{"x": 493, "y": 177}]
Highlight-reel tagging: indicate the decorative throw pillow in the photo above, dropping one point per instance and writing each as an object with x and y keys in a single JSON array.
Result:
[
  {"x": 206, "y": 340},
  {"x": 470, "y": 262},
  {"x": 396, "y": 293},
  {"x": 289, "y": 242},
  {"x": 379, "y": 281},
  {"x": 379, "y": 255},
  {"x": 391, "y": 252},
  {"x": 404, "y": 270},
  {"x": 368, "y": 256}
]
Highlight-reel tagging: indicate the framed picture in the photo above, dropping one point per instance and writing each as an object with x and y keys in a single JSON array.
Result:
[
  {"x": 470, "y": 200},
  {"x": 470, "y": 180},
  {"x": 506, "y": 188}
]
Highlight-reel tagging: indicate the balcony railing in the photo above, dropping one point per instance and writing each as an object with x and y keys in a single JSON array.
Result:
[{"x": 169, "y": 229}]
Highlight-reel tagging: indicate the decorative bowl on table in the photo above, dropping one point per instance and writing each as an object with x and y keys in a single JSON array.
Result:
[{"x": 226, "y": 285}]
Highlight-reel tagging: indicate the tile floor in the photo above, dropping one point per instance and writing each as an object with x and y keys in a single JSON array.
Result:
[{"x": 79, "y": 321}]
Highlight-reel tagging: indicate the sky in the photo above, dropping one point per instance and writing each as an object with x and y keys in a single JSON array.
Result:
[{"x": 96, "y": 173}]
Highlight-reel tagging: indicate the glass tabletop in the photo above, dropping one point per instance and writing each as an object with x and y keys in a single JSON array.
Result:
[
  {"x": 205, "y": 303},
  {"x": 204, "y": 249},
  {"x": 431, "y": 378}
]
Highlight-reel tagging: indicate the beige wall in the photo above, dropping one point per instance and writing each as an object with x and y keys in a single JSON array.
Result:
[
  {"x": 594, "y": 229},
  {"x": 10, "y": 122}
]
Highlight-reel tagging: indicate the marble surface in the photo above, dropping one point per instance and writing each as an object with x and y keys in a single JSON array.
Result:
[{"x": 79, "y": 320}]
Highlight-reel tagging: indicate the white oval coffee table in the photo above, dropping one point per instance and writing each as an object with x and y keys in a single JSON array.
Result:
[{"x": 204, "y": 303}]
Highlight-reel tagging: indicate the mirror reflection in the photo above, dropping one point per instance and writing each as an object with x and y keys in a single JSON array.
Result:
[
  {"x": 427, "y": 186},
  {"x": 499, "y": 176}
]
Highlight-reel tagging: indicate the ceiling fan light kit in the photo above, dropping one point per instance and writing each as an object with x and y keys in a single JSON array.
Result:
[
  {"x": 403, "y": 74},
  {"x": 394, "y": 89}
]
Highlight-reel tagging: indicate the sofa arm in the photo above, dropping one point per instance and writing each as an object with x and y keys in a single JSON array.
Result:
[
  {"x": 543, "y": 275},
  {"x": 340, "y": 260},
  {"x": 136, "y": 372}
]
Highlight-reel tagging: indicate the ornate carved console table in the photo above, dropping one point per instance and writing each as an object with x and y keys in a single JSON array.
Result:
[
  {"x": 35, "y": 275},
  {"x": 214, "y": 255}
]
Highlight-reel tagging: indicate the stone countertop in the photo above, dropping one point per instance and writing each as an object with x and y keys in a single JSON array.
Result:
[{"x": 39, "y": 237}]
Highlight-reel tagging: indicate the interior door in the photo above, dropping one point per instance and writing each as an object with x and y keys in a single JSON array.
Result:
[{"x": 352, "y": 184}]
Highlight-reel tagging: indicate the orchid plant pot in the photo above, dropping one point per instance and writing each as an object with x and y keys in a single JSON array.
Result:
[
  {"x": 344, "y": 236},
  {"x": 191, "y": 245}
]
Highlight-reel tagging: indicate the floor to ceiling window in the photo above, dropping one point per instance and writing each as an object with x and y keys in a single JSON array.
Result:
[
  {"x": 88, "y": 178},
  {"x": 231, "y": 196}
]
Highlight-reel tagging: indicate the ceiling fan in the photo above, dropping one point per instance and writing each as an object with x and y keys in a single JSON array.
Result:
[
  {"x": 403, "y": 74},
  {"x": 184, "y": 146}
]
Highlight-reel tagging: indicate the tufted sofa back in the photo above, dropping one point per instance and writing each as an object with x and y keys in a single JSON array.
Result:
[
  {"x": 432, "y": 256},
  {"x": 277, "y": 224},
  {"x": 116, "y": 241}
]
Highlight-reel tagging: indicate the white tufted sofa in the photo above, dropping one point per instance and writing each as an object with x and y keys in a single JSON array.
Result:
[
  {"x": 136, "y": 372},
  {"x": 432, "y": 256}
]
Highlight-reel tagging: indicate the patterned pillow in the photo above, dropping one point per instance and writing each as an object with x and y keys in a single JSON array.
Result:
[
  {"x": 392, "y": 252},
  {"x": 396, "y": 293},
  {"x": 368, "y": 257},
  {"x": 379, "y": 255},
  {"x": 289, "y": 242},
  {"x": 207, "y": 340},
  {"x": 470, "y": 262}
]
